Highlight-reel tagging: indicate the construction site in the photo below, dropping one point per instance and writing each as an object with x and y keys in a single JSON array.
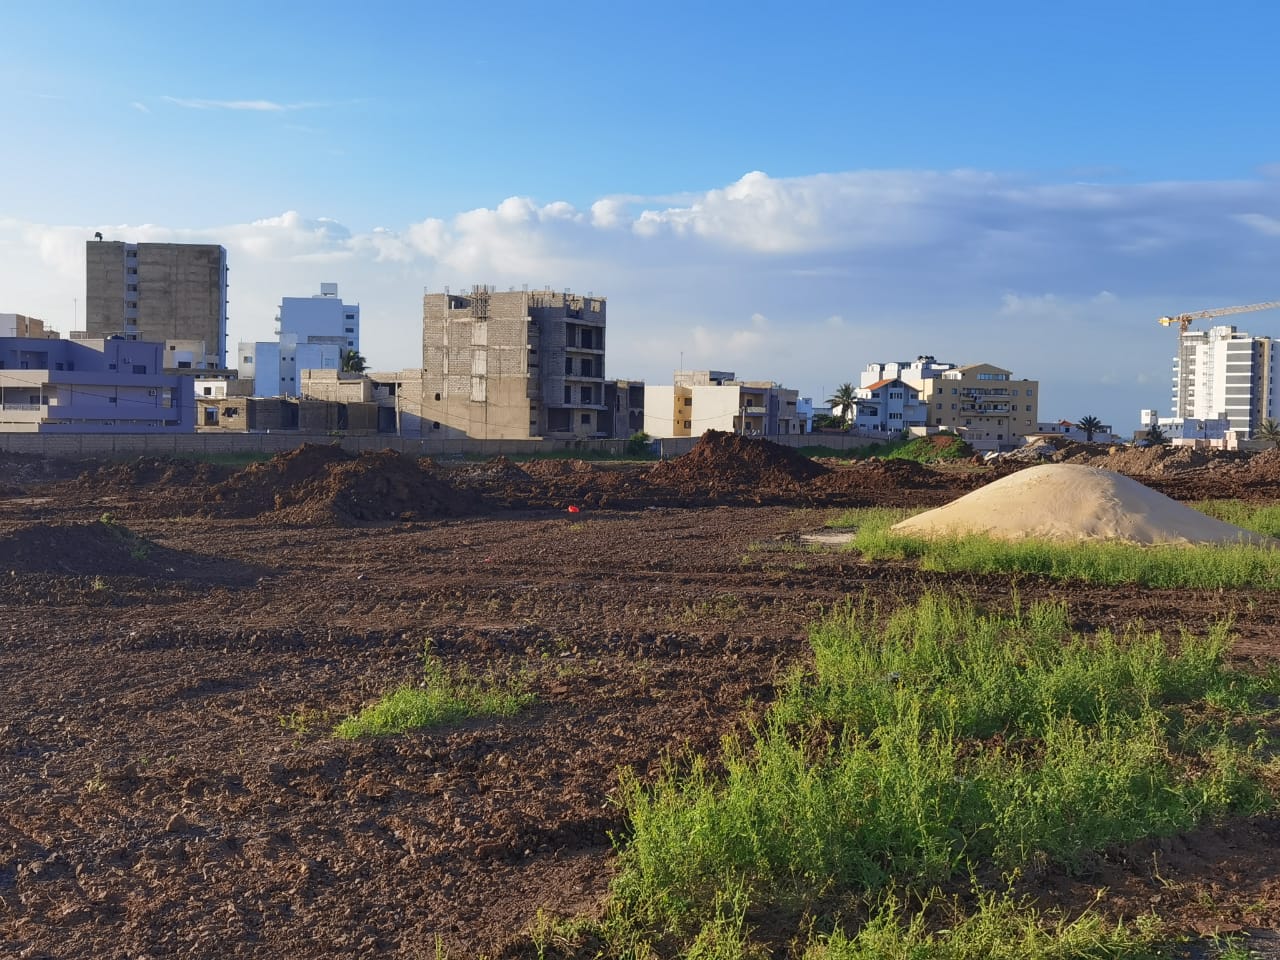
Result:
[{"x": 179, "y": 639}]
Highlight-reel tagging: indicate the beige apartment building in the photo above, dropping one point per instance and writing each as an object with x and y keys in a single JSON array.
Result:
[
  {"x": 511, "y": 366},
  {"x": 983, "y": 404},
  {"x": 702, "y": 400},
  {"x": 16, "y": 325}
]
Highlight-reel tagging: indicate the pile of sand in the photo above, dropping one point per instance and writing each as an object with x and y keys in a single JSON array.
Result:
[{"x": 1073, "y": 502}]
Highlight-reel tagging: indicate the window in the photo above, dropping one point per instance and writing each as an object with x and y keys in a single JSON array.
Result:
[
  {"x": 435, "y": 425},
  {"x": 437, "y": 396},
  {"x": 248, "y": 359},
  {"x": 208, "y": 391},
  {"x": 139, "y": 368},
  {"x": 568, "y": 394},
  {"x": 953, "y": 391},
  {"x": 586, "y": 419},
  {"x": 939, "y": 406},
  {"x": 687, "y": 424},
  {"x": 568, "y": 364},
  {"x": 112, "y": 399},
  {"x": 953, "y": 406},
  {"x": 585, "y": 394},
  {"x": 1028, "y": 393},
  {"x": 1028, "y": 408},
  {"x": 349, "y": 330}
]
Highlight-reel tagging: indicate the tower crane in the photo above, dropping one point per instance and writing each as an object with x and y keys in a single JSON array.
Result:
[{"x": 1183, "y": 320}]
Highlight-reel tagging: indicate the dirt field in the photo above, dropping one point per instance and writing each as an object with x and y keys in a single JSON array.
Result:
[{"x": 168, "y": 784}]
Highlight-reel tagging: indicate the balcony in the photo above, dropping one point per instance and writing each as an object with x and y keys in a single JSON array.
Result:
[{"x": 754, "y": 411}]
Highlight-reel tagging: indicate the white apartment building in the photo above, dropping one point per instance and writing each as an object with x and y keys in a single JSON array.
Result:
[
  {"x": 914, "y": 372},
  {"x": 1223, "y": 372},
  {"x": 702, "y": 400},
  {"x": 312, "y": 333},
  {"x": 888, "y": 407}
]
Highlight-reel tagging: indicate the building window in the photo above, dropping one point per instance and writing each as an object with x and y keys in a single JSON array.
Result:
[
  {"x": 687, "y": 424},
  {"x": 437, "y": 396},
  {"x": 112, "y": 399},
  {"x": 586, "y": 419},
  {"x": 953, "y": 391},
  {"x": 939, "y": 406},
  {"x": 568, "y": 364},
  {"x": 1028, "y": 408},
  {"x": 248, "y": 359},
  {"x": 435, "y": 425}
]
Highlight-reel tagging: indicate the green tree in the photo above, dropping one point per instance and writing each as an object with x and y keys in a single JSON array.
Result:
[
  {"x": 1268, "y": 430},
  {"x": 1156, "y": 437},
  {"x": 842, "y": 403},
  {"x": 353, "y": 361},
  {"x": 1090, "y": 425}
]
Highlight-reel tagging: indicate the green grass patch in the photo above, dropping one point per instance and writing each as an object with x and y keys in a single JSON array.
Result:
[
  {"x": 1207, "y": 567},
  {"x": 443, "y": 696},
  {"x": 1264, "y": 519},
  {"x": 927, "y": 746},
  {"x": 922, "y": 449}
]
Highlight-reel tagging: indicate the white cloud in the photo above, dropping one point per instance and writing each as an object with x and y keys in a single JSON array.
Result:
[
  {"x": 255, "y": 106},
  {"x": 803, "y": 280},
  {"x": 140, "y": 106}
]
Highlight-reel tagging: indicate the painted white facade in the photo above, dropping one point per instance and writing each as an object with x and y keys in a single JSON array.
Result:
[
  {"x": 1072, "y": 431},
  {"x": 313, "y": 334},
  {"x": 702, "y": 400},
  {"x": 1223, "y": 372},
  {"x": 915, "y": 372},
  {"x": 888, "y": 407},
  {"x": 91, "y": 386},
  {"x": 1216, "y": 431}
]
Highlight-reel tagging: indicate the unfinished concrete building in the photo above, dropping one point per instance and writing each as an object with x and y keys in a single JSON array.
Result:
[
  {"x": 175, "y": 293},
  {"x": 514, "y": 365}
]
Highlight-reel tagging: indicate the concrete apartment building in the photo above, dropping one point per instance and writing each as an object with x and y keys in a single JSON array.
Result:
[
  {"x": 16, "y": 325},
  {"x": 1223, "y": 372},
  {"x": 623, "y": 413},
  {"x": 91, "y": 386},
  {"x": 313, "y": 333},
  {"x": 983, "y": 404},
  {"x": 511, "y": 365},
  {"x": 174, "y": 293},
  {"x": 702, "y": 400}
]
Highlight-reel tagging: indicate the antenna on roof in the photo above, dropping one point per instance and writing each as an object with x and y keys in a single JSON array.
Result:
[{"x": 97, "y": 235}]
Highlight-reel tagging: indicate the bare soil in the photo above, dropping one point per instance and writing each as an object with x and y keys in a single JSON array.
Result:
[{"x": 168, "y": 784}]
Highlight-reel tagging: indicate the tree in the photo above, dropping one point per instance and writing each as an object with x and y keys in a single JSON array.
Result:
[
  {"x": 353, "y": 361},
  {"x": 843, "y": 400},
  {"x": 1269, "y": 430},
  {"x": 1156, "y": 437},
  {"x": 1090, "y": 425}
]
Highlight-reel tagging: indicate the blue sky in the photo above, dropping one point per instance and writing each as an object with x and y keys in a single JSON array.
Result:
[{"x": 791, "y": 191}]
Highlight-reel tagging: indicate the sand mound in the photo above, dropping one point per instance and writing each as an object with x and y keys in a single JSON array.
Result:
[{"x": 1073, "y": 502}]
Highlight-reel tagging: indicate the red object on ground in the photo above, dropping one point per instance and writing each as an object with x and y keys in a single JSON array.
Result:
[{"x": 573, "y": 509}]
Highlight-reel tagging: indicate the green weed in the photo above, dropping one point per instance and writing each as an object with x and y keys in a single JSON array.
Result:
[{"x": 443, "y": 696}]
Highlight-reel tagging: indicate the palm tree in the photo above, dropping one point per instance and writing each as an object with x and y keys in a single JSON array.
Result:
[
  {"x": 1156, "y": 437},
  {"x": 844, "y": 401},
  {"x": 1268, "y": 430},
  {"x": 353, "y": 361},
  {"x": 1090, "y": 425}
]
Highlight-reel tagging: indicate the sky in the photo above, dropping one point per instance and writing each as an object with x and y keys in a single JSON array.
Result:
[{"x": 787, "y": 190}]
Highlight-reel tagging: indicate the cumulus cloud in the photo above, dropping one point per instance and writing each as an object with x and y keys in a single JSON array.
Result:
[{"x": 804, "y": 280}]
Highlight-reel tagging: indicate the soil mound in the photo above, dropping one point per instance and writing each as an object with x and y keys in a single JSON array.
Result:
[
  {"x": 725, "y": 458},
  {"x": 543, "y": 469},
  {"x": 100, "y": 547},
  {"x": 147, "y": 472},
  {"x": 255, "y": 489},
  {"x": 375, "y": 487},
  {"x": 1071, "y": 502}
]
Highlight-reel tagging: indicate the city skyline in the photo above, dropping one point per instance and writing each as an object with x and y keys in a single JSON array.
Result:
[{"x": 791, "y": 196}]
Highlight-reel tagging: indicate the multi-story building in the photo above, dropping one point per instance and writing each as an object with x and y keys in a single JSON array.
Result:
[
  {"x": 983, "y": 404},
  {"x": 91, "y": 386},
  {"x": 888, "y": 407},
  {"x": 914, "y": 372},
  {"x": 16, "y": 325},
  {"x": 702, "y": 400},
  {"x": 512, "y": 365},
  {"x": 174, "y": 293},
  {"x": 1222, "y": 372},
  {"x": 1190, "y": 431},
  {"x": 623, "y": 414},
  {"x": 313, "y": 333}
]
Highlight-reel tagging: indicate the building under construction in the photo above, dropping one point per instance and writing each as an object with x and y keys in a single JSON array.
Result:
[{"x": 514, "y": 365}]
